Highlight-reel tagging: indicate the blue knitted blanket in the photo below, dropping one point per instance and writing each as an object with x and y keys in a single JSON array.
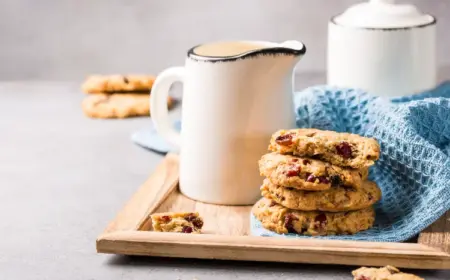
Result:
[{"x": 414, "y": 168}]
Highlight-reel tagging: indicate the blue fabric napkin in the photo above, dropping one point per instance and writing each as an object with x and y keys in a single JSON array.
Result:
[
  {"x": 148, "y": 138},
  {"x": 414, "y": 168}
]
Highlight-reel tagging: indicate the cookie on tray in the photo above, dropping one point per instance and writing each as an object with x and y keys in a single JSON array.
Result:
[
  {"x": 383, "y": 273},
  {"x": 282, "y": 220},
  {"x": 308, "y": 174},
  {"x": 336, "y": 199},
  {"x": 118, "y": 83},
  {"x": 125, "y": 105},
  {"x": 342, "y": 149},
  {"x": 182, "y": 222}
]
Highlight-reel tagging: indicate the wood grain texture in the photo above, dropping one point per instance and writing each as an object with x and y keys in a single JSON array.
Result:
[
  {"x": 226, "y": 230},
  {"x": 438, "y": 234},
  {"x": 251, "y": 248},
  {"x": 218, "y": 219},
  {"x": 149, "y": 196}
]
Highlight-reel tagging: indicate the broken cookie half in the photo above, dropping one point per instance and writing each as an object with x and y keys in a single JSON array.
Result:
[{"x": 182, "y": 222}]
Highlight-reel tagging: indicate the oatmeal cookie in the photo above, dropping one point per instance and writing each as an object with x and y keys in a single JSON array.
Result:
[
  {"x": 342, "y": 149},
  {"x": 282, "y": 220},
  {"x": 106, "y": 106},
  {"x": 383, "y": 273},
  {"x": 308, "y": 174},
  {"x": 118, "y": 83},
  {"x": 183, "y": 222},
  {"x": 336, "y": 199}
]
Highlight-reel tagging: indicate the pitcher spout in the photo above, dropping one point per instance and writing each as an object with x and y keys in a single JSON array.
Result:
[{"x": 290, "y": 47}]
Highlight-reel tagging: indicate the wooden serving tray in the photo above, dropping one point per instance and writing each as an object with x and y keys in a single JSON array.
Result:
[{"x": 226, "y": 234}]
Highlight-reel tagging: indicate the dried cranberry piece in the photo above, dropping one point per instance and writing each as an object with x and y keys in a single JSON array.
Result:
[
  {"x": 347, "y": 188},
  {"x": 186, "y": 229},
  {"x": 272, "y": 203},
  {"x": 190, "y": 217},
  {"x": 306, "y": 161},
  {"x": 295, "y": 160},
  {"x": 323, "y": 180},
  {"x": 362, "y": 277},
  {"x": 311, "y": 178},
  {"x": 284, "y": 140},
  {"x": 293, "y": 171},
  {"x": 320, "y": 220},
  {"x": 166, "y": 219},
  {"x": 288, "y": 220},
  {"x": 198, "y": 223},
  {"x": 344, "y": 149},
  {"x": 336, "y": 180}
]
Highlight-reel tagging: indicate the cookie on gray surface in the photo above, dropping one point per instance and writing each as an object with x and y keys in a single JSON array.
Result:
[
  {"x": 126, "y": 105},
  {"x": 382, "y": 273},
  {"x": 118, "y": 83}
]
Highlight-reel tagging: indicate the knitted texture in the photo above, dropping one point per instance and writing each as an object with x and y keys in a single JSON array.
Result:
[{"x": 413, "y": 171}]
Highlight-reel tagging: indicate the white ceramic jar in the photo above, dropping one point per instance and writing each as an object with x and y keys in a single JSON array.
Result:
[{"x": 385, "y": 48}]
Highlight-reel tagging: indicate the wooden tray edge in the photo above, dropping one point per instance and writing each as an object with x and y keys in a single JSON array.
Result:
[
  {"x": 122, "y": 236},
  {"x": 248, "y": 248},
  {"x": 134, "y": 214}
]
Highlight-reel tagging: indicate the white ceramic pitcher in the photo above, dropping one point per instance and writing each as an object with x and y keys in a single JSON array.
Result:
[{"x": 232, "y": 102}]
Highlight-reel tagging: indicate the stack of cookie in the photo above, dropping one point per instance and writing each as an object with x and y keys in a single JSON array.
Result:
[
  {"x": 118, "y": 96},
  {"x": 316, "y": 183}
]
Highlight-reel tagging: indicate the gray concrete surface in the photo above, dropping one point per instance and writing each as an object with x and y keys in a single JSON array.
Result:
[
  {"x": 67, "y": 39},
  {"x": 63, "y": 177}
]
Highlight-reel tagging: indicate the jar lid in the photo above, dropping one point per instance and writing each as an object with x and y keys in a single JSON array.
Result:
[{"x": 382, "y": 14}]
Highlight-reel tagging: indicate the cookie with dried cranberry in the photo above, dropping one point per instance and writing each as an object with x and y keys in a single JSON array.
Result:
[
  {"x": 308, "y": 174},
  {"x": 118, "y": 83},
  {"x": 183, "y": 222},
  {"x": 382, "y": 273},
  {"x": 336, "y": 199},
  {"x": 342, "y": 149},
  {"x": 283, "y": 220},
  {"x": 123, "y": 105}
]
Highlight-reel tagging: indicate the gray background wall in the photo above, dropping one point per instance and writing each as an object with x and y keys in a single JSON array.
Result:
[{"x": 68, "y": 39}]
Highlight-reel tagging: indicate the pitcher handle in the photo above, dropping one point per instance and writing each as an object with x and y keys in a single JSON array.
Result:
[{"x": 158, "y": 104}]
